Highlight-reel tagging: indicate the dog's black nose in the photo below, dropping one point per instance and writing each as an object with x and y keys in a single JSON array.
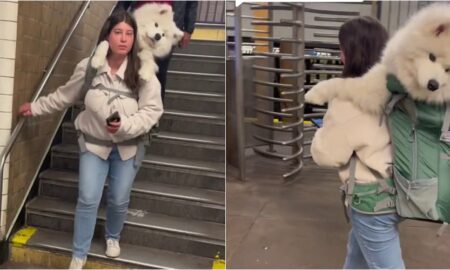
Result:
[
  {"x": 157, "y": 37},
  {"x": 433, "y": 85}
]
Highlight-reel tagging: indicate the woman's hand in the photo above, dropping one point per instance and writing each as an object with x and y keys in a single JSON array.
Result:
[
  {"x": 185, "y": 40},
  {"x": 25, "y": 109},
  {"x": 113, "y": 127}
]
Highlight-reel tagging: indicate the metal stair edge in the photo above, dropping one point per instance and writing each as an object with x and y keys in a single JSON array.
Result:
[{"x": 73, "y": 149}]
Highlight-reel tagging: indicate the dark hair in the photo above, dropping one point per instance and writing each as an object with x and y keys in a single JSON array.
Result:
[
  {"x": 131, "y": 73},
  {"x": 362, "y": 41}
]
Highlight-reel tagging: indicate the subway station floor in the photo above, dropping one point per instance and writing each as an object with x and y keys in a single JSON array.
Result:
[{"x": 300, "y": 224}]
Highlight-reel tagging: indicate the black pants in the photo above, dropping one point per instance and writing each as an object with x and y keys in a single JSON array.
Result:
[{"x": 163, "y": 64}]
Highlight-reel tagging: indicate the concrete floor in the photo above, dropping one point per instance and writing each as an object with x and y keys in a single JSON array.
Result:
[{"x": 300, "y": 224}]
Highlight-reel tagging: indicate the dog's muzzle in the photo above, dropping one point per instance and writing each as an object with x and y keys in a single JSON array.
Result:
[{"x": 433, "y": 85}]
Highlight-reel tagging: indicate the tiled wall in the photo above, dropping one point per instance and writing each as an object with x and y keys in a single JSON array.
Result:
[{"x": 8, "y": 36}]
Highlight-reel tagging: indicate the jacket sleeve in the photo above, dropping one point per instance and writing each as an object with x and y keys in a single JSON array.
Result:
[
  {"x": 190, "y": 16},
  {"x": 64, "y": 96},
  {"x": 330, "y": 146},
  {"x": 150, "y": 110}
]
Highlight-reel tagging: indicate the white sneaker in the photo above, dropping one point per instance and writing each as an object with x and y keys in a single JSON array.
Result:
[
  {"x": 112, "y": 248},
  {"x": 77, "y": 263}
]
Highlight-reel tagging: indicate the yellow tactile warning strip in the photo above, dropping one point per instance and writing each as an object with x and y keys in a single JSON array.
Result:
[
  {"x": 218, "y": 263},
  {"x": 208, "y": 34},
  {"x": 23, "y": 235},
  {"x": 56, "y": 260}
]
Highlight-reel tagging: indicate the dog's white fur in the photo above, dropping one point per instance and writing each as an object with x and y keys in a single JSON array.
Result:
[
  {"x": 407, "y": 57},
  {"x": 157, "y": 34},
  {"x": 152, "y": 20}
]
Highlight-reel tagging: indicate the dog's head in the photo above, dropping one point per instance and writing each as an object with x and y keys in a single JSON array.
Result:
[
  {"x": 156, "y": 29},
  {"x": 419, "y": 54}
]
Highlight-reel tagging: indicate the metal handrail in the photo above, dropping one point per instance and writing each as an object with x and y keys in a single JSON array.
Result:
[{"x": 40, "y": 88}]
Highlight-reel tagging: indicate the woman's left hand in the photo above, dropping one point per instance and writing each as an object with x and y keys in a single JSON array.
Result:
[{"x": 113, "y": 127}]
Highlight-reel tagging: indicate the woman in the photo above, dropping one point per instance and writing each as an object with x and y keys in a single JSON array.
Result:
[
  {"x": 350, "y": 138},
  {"x": 108, "y": 150}
]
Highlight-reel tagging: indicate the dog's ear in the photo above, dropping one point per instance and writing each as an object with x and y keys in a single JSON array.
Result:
[
  {"x": 441, "y": 29},
  {"x": 164, "y": 9}
]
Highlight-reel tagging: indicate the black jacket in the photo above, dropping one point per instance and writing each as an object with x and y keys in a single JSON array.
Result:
[{"x": 185, "y": 14}]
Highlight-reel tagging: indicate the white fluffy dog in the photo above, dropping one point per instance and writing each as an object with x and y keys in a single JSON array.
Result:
[
  {"x": 418, "y": 55},
  {"x": 157, "y": 34}
]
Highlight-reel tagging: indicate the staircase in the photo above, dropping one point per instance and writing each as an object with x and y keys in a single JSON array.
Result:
[{"x": 176, "y": 217}]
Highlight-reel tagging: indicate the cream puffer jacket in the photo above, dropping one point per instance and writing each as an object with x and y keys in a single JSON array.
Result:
[
  {"x": 347, "y": 129},
  {"x": 137, "y": 116}
]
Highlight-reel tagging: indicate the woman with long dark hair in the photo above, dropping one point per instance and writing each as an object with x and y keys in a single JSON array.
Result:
[
  {"x": 358, "y": 144},
  {"x": 108, "y": 149}
]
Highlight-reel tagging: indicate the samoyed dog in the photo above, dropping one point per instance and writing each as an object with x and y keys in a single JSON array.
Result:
[
  {"x": 418, "y": 55},
  {"x": 157, "y": 34}
]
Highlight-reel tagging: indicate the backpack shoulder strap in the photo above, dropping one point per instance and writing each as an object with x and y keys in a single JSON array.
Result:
[
  {"x": 391, "y": 104},
  {"x": 88, "y": 78},
  {"x": 445, "y": 130}
]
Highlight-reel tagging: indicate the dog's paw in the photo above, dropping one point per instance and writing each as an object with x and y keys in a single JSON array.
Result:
[
  {"x": 145, "y": 73},
  {"x": 321, "y": 93},
  {"x": 99, "y": 58}
]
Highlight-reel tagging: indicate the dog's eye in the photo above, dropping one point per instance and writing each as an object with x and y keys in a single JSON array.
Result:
[
  {"x": 156, "y": 25},
  {"x": 447, "y": 70},
  {"x": 163, "y": 34},
  {"x": 432, "y": 57}
]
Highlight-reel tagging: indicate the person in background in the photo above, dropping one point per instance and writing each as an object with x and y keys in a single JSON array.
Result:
[{"x": 351, "y": 139}]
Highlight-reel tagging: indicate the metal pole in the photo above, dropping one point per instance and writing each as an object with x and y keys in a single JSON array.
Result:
[
  {"x": 239, "y": 96},
  {"x": 299, "y": 67}
]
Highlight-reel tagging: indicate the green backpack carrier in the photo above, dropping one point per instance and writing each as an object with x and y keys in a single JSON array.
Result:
[{"x": 421, "y": 155}]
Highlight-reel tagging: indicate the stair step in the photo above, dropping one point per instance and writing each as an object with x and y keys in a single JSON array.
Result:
[
  {"x": 195, "y": 82},
  {"x": 131, "y": 255},
  {"x": 206, "y": 75},
  {"x": 199, "y": 56},
  {"x": 146, "y": 186},
  {"x": 177, "y": 171},
  {"x": 194, "y": 102},
  {"x": 183, "y": 176},
  {"x": 72, "y": 151},
  {"x": 196, "y": 94},
  {"x": 193, "y": 123},
  {"x": 215, "y": 167},
  {"x": 197, "y": 63},
  {"x": 141, "y": 228},
  {"x": 216, "y": 48},
  {"x": 155, "y": 202},
  {"x": 190, "y": 138},
  {"x": 179, "y": 149},
  {"x": 201, "y": 116},
  {"x": 69, "y": 130},
  {"x": 176, "y": 145}
]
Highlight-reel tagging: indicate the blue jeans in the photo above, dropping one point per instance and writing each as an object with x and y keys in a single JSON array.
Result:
[
  {"x": 374, "y": 242},
  {"x": 93, "y": 173}
]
